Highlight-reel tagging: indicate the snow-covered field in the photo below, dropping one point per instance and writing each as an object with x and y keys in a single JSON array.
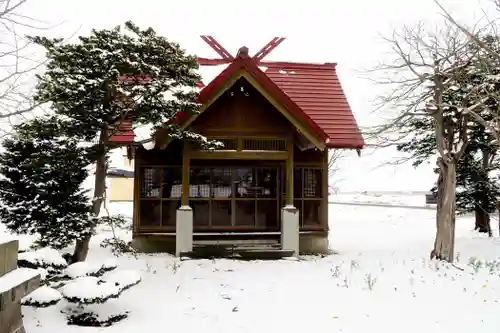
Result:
[
  {"x": 380, "y": 280},
  {"x": 392, "y": 199}
]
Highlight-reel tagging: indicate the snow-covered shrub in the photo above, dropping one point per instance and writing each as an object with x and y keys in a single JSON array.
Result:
[
  {"x": 46, "y": 258},
  {"x": 79, "y": 269},
  {"x": 475, "y": 263},
  {"x": 84, "y": 286},
  {"x": 42, "y": 297},
  {"x": 88, "y": 291},
  {"x": 91, "y": 319},
  {"x": 117, "y": 245},
  {"x": 92, "y": 290},
  {"x": 49, "y": 262}
]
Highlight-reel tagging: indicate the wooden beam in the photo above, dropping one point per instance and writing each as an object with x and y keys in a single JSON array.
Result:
[
  {"x": 289, "y": 173},
  {"x": 240, "y": 155},
  {"x": 185, "y": 175},
  {"x": 215, "y": 45},
  {"x": 268, "y": 48}
]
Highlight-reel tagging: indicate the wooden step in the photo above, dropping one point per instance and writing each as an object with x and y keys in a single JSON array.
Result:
[
  {"x": 265, "y": 254},
  {"x": 242, "y": 254},
  {"x": 236, "y": 242}
]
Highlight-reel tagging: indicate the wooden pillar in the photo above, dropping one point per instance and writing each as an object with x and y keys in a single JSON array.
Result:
[
  {"x": 290, "y": 229},
  {"x": 325, "y": 189},
  {"x": 184, "y": 215},
  {"x": 185, "y": 175},
  {"x": 289, "y": 173},
  {"x": 136, "y": 217}
]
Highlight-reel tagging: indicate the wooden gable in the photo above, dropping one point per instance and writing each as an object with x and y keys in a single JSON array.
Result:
[{"x": 242, "y": 110}]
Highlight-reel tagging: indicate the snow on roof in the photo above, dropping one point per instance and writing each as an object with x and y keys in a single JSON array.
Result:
[{"x": 120, "y": 173}]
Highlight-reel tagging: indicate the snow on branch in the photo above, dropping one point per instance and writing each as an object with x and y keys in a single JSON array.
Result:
[
  {"x": 42, "y": 258},
  {"x": 42, "y": 297},
  {"x": 84, "y": 268},
  {"x": 92, "y": 290}
]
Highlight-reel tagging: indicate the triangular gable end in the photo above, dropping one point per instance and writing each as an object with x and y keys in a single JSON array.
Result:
[{"x": 244, "y": 67}]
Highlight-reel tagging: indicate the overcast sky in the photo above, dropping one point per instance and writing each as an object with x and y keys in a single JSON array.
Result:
[{"x": 345, "y": 32}]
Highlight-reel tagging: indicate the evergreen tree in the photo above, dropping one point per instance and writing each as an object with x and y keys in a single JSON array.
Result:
[
  {"x": 477, "y": 188},
  {"x": 111, "y": 76},
  {"x": 41, "y": 185}
]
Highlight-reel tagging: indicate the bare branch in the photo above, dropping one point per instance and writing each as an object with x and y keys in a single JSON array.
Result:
[
  {"x": 18, "y": 64},
  {"x": 469, "y": 32}
]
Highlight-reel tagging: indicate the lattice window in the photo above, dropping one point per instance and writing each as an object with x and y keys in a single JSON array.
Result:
[
  {"x": 150, "y": 182},
  {"x": 172, "y": 182},
  {"x": 199, "y": 180},
  {"x": 265, "y": 144},
  {"x": 222, "y": 182},
  {"x": 312, "y": 183}
]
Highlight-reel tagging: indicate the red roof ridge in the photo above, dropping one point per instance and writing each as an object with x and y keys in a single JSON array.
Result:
[{"x": 272, "y": 64}]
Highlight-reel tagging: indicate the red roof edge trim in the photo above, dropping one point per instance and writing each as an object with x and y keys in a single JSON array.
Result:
[
  {"x": 345, "y": 144},
  {"x": 212, "y": 62},
  {"x": 206, "y": 93}
]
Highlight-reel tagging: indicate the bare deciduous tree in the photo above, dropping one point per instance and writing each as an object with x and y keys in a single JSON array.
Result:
[
  {"x": 17, "y": 62},
  {"x": 492, "y": 27},
  {"x": 425, "y": 71},
  {"x": 475, "y": 36}
]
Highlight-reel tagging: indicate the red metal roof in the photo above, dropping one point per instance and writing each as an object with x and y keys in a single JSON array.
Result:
[
  {"x": 316, "y": 89},
  {"x": 124, "y": 135},
  {"x": 311, "y": 92},
  {"x": 243, "y": 61}
]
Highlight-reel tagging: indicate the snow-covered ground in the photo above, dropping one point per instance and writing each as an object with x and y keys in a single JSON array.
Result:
[
  {"x": 388, "y": 198},
  {"x": 381, "y": 279}
]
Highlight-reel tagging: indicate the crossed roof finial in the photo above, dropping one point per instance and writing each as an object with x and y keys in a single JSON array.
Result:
[{"x": 226, "y": 57}]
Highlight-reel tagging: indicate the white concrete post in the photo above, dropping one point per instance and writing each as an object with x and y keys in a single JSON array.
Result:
[
  {"x": 183, "y": 230},
  {"x": 290, "y": 229}
]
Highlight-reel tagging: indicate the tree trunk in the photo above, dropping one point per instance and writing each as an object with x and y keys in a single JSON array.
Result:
[
  {"x": 481, "y": 208},
  {"x": 445, "y": 216},
  {"x": 482, "y": 221},
  {"x": 82, "y": 246},
  {"x": 498, "y": 207}
]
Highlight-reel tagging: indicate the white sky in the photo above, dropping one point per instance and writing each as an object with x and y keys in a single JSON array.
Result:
[{"x": 345, "y": 32}]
